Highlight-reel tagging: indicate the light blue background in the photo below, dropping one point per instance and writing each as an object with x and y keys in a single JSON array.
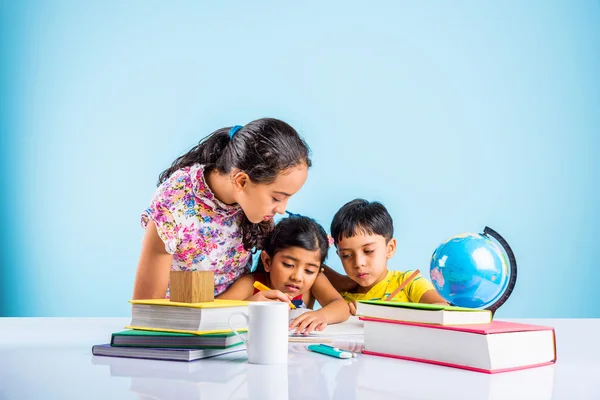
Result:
[{"x": 456, "y": 115}]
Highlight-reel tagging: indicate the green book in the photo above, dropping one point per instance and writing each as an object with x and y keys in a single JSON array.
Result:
[
  {"x": 157, "y": 339},
  {"x": 423, "y": 313}
]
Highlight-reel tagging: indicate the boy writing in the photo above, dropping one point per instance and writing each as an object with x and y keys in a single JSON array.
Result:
[{"x": 363, "y": 235}]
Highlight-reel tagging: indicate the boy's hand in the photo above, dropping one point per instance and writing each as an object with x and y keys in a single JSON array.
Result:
[
  {"x": 308, "y": 322},
  {"x": 352, "y": 307},
  {"x": 270, "y": 295}
]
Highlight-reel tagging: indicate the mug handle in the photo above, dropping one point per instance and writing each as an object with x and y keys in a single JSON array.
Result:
[{"x": 233, "y": 329}]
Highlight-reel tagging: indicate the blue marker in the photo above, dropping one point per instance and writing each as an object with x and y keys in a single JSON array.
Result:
[{"x": 330, "y": 351}]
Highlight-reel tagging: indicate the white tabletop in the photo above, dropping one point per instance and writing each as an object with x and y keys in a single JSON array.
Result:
[{"x": 50, "y": 358}]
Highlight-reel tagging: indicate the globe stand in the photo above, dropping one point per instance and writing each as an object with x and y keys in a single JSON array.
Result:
[{"x": 487, "y": 231}]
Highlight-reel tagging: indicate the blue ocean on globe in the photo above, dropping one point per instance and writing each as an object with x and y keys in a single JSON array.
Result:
[{"x": 470, "y": 270}]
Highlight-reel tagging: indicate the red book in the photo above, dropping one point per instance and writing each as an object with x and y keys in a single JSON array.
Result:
[{"x": 489, "y": 348}]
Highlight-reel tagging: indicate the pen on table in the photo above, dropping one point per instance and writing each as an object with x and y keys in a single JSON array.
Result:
[
  {"x": 406, "y": 282},
  {"x": 262, "y": 288},
  {"x": 329, "y": 351}
]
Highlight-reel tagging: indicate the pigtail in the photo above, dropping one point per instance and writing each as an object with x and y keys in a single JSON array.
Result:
[{"x": 255, "y": 236}]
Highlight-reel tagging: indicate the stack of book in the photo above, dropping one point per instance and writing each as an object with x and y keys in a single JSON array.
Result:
[
  {"x": 454, "y": 337},
  {"x": 167, "y": 330}
]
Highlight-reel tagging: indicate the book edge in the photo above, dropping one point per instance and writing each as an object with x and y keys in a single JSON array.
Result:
[{"x": 444, "y": 364}]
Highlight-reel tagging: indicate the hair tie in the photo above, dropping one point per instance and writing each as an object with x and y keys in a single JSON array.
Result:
[
  {"x": 234, "y": 130},
  {"x": 330, "y": 240},
  {"x": 291, "y": 214}
]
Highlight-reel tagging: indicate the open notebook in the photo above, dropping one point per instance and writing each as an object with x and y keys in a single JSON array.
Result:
[{"x": 351, "y": 330}]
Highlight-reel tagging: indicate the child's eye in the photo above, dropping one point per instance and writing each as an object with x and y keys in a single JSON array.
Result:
[
  {"x": 369, "y": 251},
  {"x": 287, "y": 265},
  {"x": 276, "y": 200},
  {"x": 309, "y": 272},
  {"x": 346, "y": 255}
]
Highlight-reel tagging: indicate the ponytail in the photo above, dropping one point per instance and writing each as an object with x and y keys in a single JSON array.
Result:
[{"x": 206, "y": 152}]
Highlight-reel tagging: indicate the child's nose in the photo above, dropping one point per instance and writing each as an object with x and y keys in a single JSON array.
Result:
[
  {"x": 296, "y": 276},
  {"x": 360, "y": 261}
]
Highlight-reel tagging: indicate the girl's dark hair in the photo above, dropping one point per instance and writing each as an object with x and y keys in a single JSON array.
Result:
[
  {"x": 262, "y": 149},
  {"x": 361, "y": 216},
  {"x": 296, "y": 231}
]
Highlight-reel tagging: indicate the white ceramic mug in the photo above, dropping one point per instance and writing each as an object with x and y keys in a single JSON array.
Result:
[{"x": 268, "y": 323}]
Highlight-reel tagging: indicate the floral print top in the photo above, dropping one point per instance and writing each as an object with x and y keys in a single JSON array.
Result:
[{"x": 200, "y": 231}]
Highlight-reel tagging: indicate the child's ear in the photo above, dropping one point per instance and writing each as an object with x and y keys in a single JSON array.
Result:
[
  {"x": 240, "y": 180},
  {"x": 266, "y": 260},
  {"x": 391, "y": 248}
]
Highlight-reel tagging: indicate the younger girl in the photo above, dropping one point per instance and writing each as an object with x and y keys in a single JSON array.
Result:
[
  {"x": 215, "y": 204},
  {"x": 290, "y": 264}
]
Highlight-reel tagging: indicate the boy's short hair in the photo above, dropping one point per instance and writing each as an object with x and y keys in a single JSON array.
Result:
[{"x": 361, "y": 216}]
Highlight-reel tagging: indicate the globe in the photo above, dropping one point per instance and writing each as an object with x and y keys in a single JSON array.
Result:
[{"x": 474, "y": 270}]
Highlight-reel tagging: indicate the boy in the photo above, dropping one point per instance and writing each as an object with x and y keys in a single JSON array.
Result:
[{"x": 363, "y": 235}]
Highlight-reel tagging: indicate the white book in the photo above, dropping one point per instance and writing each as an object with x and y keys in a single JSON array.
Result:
[
  {"x": 351, "y": 329},
  {"x": 422, "y": 313}
]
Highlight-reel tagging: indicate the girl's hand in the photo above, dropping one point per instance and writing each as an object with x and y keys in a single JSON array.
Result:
[
  {"x": 270, "y": 295},
  {"x": 308, "y": 322}
]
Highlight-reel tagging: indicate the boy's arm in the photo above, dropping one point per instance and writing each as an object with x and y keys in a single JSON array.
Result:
[
  {"x": 341, "y": 283},
  {"x": 421, "y": 290},
  {"x": 333, "y": 308},
  {"x": 432, "y": 297}
]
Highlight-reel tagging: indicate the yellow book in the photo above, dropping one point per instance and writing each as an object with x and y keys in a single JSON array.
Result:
[
  {"x": 209, "y": 304},
  {"x": 197, "y": 318}
]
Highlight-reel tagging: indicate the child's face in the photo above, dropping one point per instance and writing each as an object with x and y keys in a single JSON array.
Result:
[
  {"x": 293, "y": 270},
  {"x": 261, "y": 202},
  {"x": 364, "y": 257}
]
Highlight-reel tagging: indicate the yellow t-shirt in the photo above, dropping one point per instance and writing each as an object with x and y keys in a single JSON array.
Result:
[{"x": 411, "y": 293}]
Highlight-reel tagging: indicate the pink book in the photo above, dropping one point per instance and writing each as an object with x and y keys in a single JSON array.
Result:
[{"x": 490, "y": 348}]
